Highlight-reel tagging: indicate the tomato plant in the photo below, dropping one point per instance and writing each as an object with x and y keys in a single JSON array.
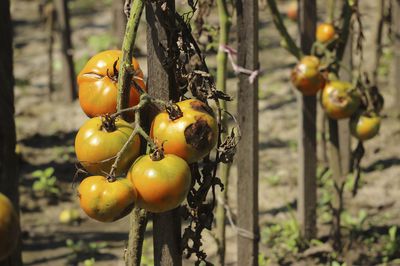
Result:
[
  {"x": 306, "y": 76},
  {"x": 98, "y": 142},
  {"x": 340, "y": 99},
  {"x": 106, "y": 200},
  {"x": 98, "y": 83},
  {"x": 162, "y": 184},
  {"x": 325, "y": 32},
  {"x": 365, "y": 126},
  {"x": 9, "y": 229},
  {"x": 191, "y": 133}
]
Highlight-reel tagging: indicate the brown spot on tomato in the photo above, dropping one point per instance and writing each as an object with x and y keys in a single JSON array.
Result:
[
  {"x": 199, "y": 134},
  {"x": 201, "y": 107}
]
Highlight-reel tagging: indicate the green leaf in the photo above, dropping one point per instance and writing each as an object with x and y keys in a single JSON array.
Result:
[
  {"x": 37, "y": 173},
  {"x": 393, "y": 233},
  {"x": 37, "y": 186},
  {"x": 48, "y": 172}
]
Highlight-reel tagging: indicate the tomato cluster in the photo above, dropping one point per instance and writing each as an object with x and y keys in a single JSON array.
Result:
[
  {"x": 338, "y": 98},
  {"x": 120, "y": 177}
]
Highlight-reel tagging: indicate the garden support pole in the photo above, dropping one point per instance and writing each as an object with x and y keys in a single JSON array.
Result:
[
  {"x": 335, "y": 155},
  {"x": 307, "y": 134},
  {"x": 161, "y": 42},
  {"x": 345, "y": 74},
  {"x": 247, "y": 184},
  {"x": 8, "y": 159},
  {"x": 396, "y": 49},
  {"x": 222, "y": 60},
  {"x": 68, "y": 82}
]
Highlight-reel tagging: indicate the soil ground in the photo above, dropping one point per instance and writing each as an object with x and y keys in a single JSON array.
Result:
[{"x": 46, "y": 130}]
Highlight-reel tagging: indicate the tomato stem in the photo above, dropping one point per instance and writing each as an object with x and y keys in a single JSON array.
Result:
[
  {"x": 108, "y": 123},
  {"x": 173, "y": 110},
  {"x": 157, "y": 154}
]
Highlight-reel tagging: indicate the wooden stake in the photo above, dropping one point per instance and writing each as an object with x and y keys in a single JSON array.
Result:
[
  {"x": 247, "y": 23},
  {"x": 8, "y": 159},
  {"x": 69, "y": 84},
  {"x": 307, "y": 136},
  {"x": 396, "y": 49},
  {"x": 161, "y": 83}
]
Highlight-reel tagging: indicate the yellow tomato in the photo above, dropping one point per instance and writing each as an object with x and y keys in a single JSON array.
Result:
[
  {"x": 306, "y": 76},
  {"x": 365, "y": 127},
  {"x": 106, "y": 201},
  {"x": 96, "y": 147},
  {"x": 161, "y": 185},
  {"x": 340, "y": 100},
  {"x": 325, "y": 32},
  {"x": 191, "y": 136}
]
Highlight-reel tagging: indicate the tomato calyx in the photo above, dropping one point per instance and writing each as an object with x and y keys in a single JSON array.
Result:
[
  {"x": 111, "y": 178},
  {"x": 174, "y": 111},
  {"x": 108, "y": 123},
  {"x": 113, "y": 77},
  {"x": 157, "y": 154}
]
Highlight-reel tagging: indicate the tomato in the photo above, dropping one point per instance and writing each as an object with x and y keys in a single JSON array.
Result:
[
  {"x": 325, "y": 32},
  {"x": 104, "y": 200},
  {"x": 292, "y": 10},
  {"x": 306, "y": 76},
  {"x": 9, "y": 227},
  {"x": 191, "y": 136},
  {"x": 365, "y": 127},
  {"x": 96, "y": 146},
  {"x": 98, "y": 83},
  {"x": 161, "y": 185},
  {"x": 340, "y": 100}
]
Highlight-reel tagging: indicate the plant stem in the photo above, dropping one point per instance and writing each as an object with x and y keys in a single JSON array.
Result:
[
  {"x": 222, "y": 59},
  {"x": 290, "y": 45},
  {"x": 335, "y": 162},
  {"x": 378, "y": 42},
  {"x": 126, "y": 71},
  {"x": 139, "y": 218},
  {"x": 137, "y": 228}
]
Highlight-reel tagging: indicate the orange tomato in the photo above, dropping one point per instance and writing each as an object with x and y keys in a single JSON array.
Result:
[
  {"x": 325, "y": 32},
  {"x": 98, "y": 83},
  {"x": 161, "y": 185},
  {"x": 191, "y": 136},
  {"x": 340, "y": 100},
  {"x": 365, "y": 127},
  {"x": 292, "y": 10},
  {"x": 9, "y": 227},
  {"x": 96, "y": 147},
  {"x": 106, "y": 201},
  {"x": 306, "y": 77}
]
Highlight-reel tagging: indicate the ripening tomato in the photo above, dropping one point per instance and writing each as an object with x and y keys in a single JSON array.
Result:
[
  {"x": 340, "y": 99},
  {"x": 191, "y": 136},
  {"x": 325, "y": 32},
  {"x": 292, "y": 10},
  {"x": 365, "y": 126},
  {"x": 98, "y": 142},
  {"x": 106, "y": 200},
  {"x": 161, "y": 185},
  {"x": 9, "y": 227},
  {"x": 306, "y": 76},
  {"x": 98, "y": 83}
]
